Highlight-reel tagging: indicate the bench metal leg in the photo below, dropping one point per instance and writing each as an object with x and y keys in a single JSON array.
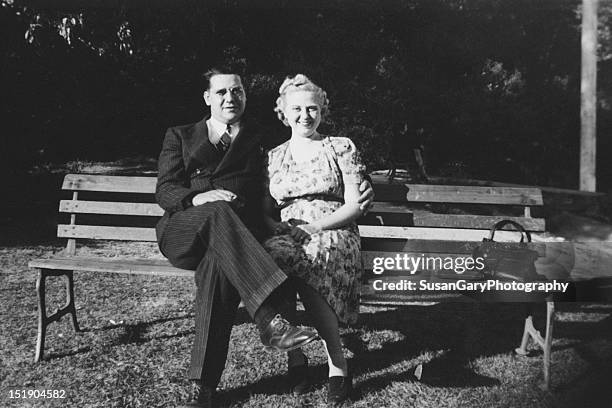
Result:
[
  {"x": 43, "y": 319},
  {"x": 545, "y": 342},
  {"x": 42, "y": 324},
  {"x": 550, "y": 314}
]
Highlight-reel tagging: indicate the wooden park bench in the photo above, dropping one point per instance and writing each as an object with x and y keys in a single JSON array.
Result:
[{"x": 406, "y": 218}]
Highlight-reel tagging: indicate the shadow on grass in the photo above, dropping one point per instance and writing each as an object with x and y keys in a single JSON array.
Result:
[
  {"x": 593, "y": 383},
  {"x": 455, "y": 334},
  {"x": 486, "y": 330},
  {"x": 420, "y": 333},
  {"x": 80, "y": 350},
  {"x": 132, "y": 334},
  {"x": 465, "y": 331},
  {"x": 274, "y": 385},
  {"x": 140, "y": 325}
]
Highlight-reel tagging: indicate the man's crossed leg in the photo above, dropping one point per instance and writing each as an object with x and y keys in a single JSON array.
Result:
[{"x": 230, "y": 265}]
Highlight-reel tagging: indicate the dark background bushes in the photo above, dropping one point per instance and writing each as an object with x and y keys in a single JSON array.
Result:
[{"x": 489, "y": 89}]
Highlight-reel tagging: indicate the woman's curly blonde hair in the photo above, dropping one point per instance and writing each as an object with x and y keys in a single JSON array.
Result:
[{"x": 300, "y": 82}]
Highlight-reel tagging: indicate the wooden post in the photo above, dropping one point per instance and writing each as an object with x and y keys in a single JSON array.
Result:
[
  {"x": 588, "y": 96},
  {"x": 547, "y": 347},
  {"x": 71, "y": 244}
]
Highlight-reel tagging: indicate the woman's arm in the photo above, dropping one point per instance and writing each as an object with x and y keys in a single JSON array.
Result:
[
  {"x": 271, "y": 216},
  {"x": 342, "y": 216},
  {"x": 345, "y": 214},
  {"x": 352, "y": 170}
]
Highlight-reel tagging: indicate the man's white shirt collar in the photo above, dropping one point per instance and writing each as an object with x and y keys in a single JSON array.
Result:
[{"x": 218, "y": 128}]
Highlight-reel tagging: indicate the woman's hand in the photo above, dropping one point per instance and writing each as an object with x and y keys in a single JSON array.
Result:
[{"x": 302, "y": 233}]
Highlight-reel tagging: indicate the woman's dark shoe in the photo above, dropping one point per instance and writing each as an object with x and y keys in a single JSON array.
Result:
[
  {"x": 339, "y": 389},
  {"x": 298, "y": 378}
]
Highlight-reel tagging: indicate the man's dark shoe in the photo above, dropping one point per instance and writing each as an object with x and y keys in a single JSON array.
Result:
[
  {"x": 298, "y": 378},
  {"x": 339, "y": 389},
  {"x": 280, "y": 335},
  {"x": 203, "y": 400}
]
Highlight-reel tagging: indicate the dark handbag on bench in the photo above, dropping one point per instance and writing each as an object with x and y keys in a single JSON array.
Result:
[{"x": 508, "y": 261}]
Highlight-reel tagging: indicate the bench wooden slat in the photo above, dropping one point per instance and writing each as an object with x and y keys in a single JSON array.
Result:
[
  {"x": 473, "y": 194},
  {"x": 416, "y": 245},
  {"x": 366, "y": 231},
  {"x": 474, "y": 221},
  {"x": 111, "y": 208},
  {"x": 105, "y": 232},
  {"x": 149, "y": 266},
  {"x": 445, "y": 234},
  {"x": 160, "y": 267},
  {"x": 459, "y": 194},
  {"x": 414, "y": 192},
  {"x": 421, "y": 218},
  {"x": 429, "y": 247},
  {"x": 145, "y": 266},
  {"x": 116, "y": 184},
  {"x": 135, "y": 265},
  {"x": 416, "y": 218}
]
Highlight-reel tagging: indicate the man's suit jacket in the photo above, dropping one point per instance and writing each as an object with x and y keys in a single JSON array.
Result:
[{"x": 189, "y": 164}]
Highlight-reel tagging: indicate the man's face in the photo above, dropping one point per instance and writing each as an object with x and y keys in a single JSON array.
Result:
[{"x": 226, "y": 98}]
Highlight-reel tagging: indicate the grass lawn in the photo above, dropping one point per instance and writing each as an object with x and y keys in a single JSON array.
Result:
[{"x": 138, "y": 331}]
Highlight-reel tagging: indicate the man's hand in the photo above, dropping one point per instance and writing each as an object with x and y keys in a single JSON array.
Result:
[
  {"x": 366, "y": 199},
  {"x": 302, "y": 233},
  {"x": 281, "y": 228},
  {"x": 213, "y": 195}
]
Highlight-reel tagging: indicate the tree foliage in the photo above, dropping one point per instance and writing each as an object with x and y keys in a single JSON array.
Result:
[{"x": 489, "y": 88}]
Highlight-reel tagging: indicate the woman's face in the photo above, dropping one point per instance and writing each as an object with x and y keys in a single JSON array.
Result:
[{"x": 303, "y": 113}]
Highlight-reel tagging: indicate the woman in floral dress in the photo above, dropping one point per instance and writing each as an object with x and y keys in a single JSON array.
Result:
[{"x": 314, "y": 181}]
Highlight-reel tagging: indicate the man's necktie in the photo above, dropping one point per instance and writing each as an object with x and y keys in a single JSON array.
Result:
[{"x": 226, "y": 139}]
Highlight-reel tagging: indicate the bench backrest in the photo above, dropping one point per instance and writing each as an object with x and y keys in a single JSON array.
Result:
[{"x": 406, "y": 218}]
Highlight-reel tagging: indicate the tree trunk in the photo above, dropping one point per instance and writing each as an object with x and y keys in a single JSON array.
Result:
[{"x": 588, "y": 96}]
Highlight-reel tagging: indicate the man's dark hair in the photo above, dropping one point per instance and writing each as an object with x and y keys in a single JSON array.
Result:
[{"x": 218, "y": 70}]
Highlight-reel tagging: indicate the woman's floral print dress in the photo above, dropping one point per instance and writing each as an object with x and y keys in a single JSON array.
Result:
[{"x": 307, "y": 191}]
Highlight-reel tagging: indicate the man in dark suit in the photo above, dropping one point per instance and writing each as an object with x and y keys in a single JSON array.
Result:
[{"x": 210, "y": 185}]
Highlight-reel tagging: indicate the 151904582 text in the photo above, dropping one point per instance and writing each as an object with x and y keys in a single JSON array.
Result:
[{"x": 23, "y": 393}]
